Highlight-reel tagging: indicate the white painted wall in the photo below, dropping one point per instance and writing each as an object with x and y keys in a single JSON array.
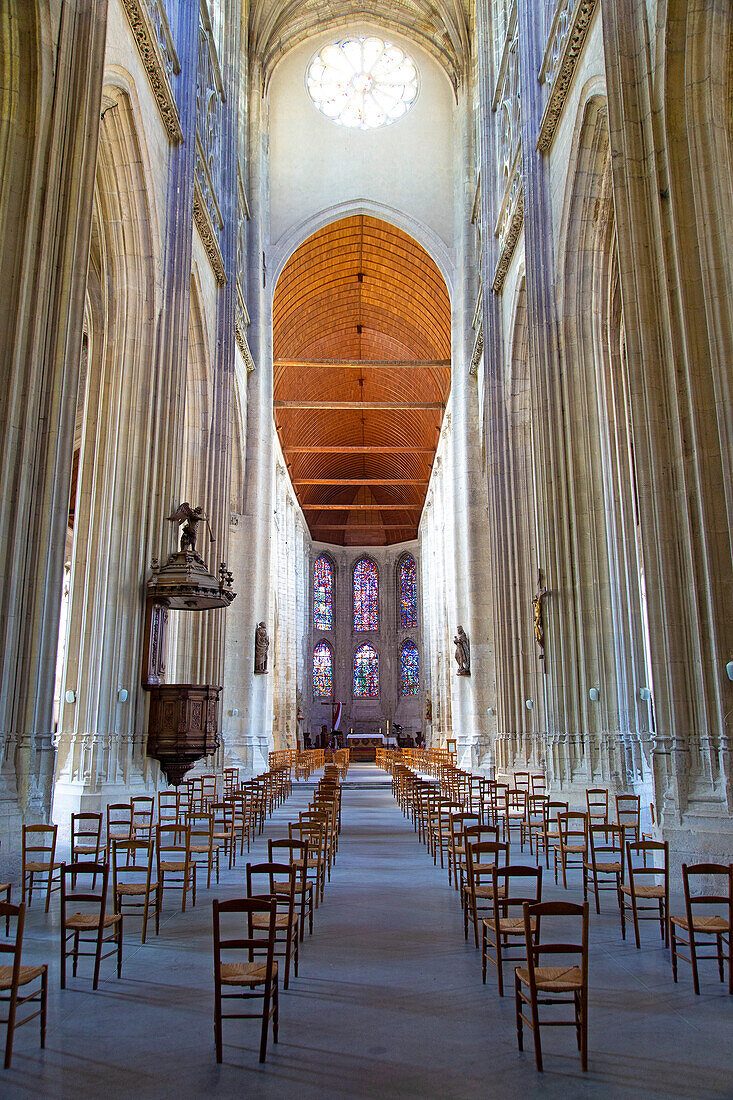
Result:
[{"x": 316, "y": 164}]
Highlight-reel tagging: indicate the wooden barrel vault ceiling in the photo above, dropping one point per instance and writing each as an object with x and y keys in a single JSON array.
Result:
[{"x": 362, "y": 375}]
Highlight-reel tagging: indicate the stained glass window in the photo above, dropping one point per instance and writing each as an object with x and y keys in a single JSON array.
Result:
[
  {"x": 366, "y": 596},
  {"x": 409, "y": 669},
  {"x": 362, "y": 82},
  {"x": 366, "y": 673},
  {"x": 322, "y": 671},
  {"x": 407, "y": 593},
  {"x": 323, "y": 594}
]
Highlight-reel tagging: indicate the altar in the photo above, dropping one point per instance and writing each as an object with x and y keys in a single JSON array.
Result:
[{"x": 363, "y": 746}]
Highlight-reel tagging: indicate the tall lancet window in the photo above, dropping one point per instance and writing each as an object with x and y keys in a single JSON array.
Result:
[
  {"x": 407, "y": 592},
  {"x": 322, "y": 671},
  {"x": 409, "y": 669},
  {"x": 323, "y": 594},
  {"x": 366, "y": 595},
  {"x": 366, "y": 673}
]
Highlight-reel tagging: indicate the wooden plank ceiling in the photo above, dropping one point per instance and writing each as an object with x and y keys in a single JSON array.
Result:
[{"x": 362, "y": 374}]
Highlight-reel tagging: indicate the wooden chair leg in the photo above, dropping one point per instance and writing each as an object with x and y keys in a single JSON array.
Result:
[
  {"x": 44, "y": 1002},
  {"x": 693, "y": 961},
  {"x": 674, "y": 954},
  {"x": 217, "y": 1026},
  {"x": 265, "y": 1022},
  {"x": 119, "y": 947},
  {"x": 518, "y": 1013},
  {"x": 11, "y": 1028},
  {"x": 636, "y": 918},
  {"x": 48, "y": 887}
]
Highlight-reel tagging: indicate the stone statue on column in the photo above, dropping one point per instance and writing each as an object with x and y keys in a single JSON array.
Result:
[
  {"x": 463, "y": 652},
  {"x": 539, "y": 629},
  {"x": 262, "y": 644}
]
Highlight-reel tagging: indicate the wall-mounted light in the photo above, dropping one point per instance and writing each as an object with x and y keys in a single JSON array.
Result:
[
  {"x": 729, "y": 670},
  {"x": 70, "y": 696},
  {"x": 235, "y": 713},
  {"x": 491, "y": 711},
  {"x": 645, "y": 694},
  {"x": 123, "y": 695},
  {"x": 594, "y": 695},
  {"x": 529, "y": 703}
]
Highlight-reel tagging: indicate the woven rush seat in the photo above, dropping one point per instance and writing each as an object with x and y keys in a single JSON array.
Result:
[
  {"x": 576, "y": 849},
  {"x": 84, "y": 849},
  {"x": 553, "y": 979},
  {"x": 508, "y": 924},
  {"x": 484, "y": 891},
  {"x": 135, "y": 889},
  {"x": 42, "y": 866},
  {"x": 245, "y": 973},
  {"x": 606, "y": 868},
  {"x": 281, "y": 921},
  {"x": 709, "y": 926},
  {"x": 201, "y": 849},
  {"x": 80, "y": 922},
  {"x": 26, "y": 974},
  {"x": 643, "y": 891},
  {"x": 172, "y": 866},
  {"x": 299, "y": 863}
]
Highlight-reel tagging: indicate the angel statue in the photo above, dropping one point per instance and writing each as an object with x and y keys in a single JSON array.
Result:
[{"x": 190, "y": 518}]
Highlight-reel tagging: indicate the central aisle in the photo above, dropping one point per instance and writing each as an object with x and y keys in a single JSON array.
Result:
[{"x": 389, "y": 1002}]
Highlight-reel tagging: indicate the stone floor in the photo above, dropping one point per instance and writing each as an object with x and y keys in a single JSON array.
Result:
[{"x": 389, "y": 1002}]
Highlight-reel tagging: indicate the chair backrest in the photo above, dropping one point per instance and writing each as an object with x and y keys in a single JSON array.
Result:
[
  {"x": 208, "y": 790},
  {"x": 119, "y": 821},
  {"x": 539, "y": 784},
  {"x": 290, "y": 847},
  {"x": 201, "y": 824},
  {"x": 553, "y": 807},
  {"x": 515, "y": 800},
  {"x": 143, "y": 814},
  {"x": 572, "y": 825},
  {"x": 223, "y": 815},
  {"x": 13, "y": 946},
  {"x": 314, "y": 832},
  {"x": 245, "y": 937},
  {"x": 39, "y": 843},
  {"x": 720, "y": 899},
  {"x": 74, "y": 894},
  {"x": 231, "y": 780},
  {"x": 597, "y": 802},
  {"x": 522, "y": 781},
  {"x": 482, "y": 857},
  {"x": 605, "y": 842},
  {"x": 628, "y": 812},
  {"x": 171, "y": 807},
  {"x": 546, "y": 918},
  {"x": 637, "y": 860},
  {"x": 515, "y": 884},
  {"x": 477, "y": 834},
  {"x": 195, "y": 792},
  {"x": 273, "y": 880},
  {"x": 132, "y": 861},
  {"x": 459, "y": 822},
  {"x": 86, "y": 831},
  {"x": 536, "y": 807},
  {"x": 171, "y": 838}
]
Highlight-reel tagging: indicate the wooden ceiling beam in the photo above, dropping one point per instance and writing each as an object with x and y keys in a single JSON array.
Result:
[
  {"x": 361, "y": 507},
  {"x": 363, "y": 526},
  {"x": 357, "y": 406},
  {"x": 356, "y": 449},
  {"x": 360, "y": 481},
  {"x": 372, "y": 364}
]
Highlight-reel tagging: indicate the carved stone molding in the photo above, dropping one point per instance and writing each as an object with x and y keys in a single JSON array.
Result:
[
  {"x": 208, "y": 236},
  {"x": 159, "y": 58},
  {"x": 567, "y": 42},
  {"x": 516, "y": 223},
  {"x": 241, "y": 338},
  {"x": 478, "y": 349}
]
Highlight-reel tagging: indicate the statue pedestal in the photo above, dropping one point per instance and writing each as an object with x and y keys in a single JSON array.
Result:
[{"x": 183, "y": 726}]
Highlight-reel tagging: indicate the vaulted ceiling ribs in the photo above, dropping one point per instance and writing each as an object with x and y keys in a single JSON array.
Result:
[{"x": 362, "y": 375}]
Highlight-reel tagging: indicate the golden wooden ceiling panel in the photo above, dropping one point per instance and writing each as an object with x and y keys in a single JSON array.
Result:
[{"x": 361, "y": 289}]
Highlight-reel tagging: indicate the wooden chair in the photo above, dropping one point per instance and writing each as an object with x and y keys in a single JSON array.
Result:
[
  {"x": 195, "y": 794},
  {"x": 119, "y": 824},
  {"x": 604, "y": 858},
  {"x": 514, "y": 812},
  {"x": 533, "y": 827},
  {"x": 314, "y": 834},
  {"x": 325, "y": 821},
  {"x": 231, "y": 781},
  {"x": 39, "y": 858},
  {"x": 597, "y": 802},
  {"x": 142, "y": 817},
  {"x": 571, "y": 847},
  {"x": 14, "y": 977},
  {"x": 472, "y": 834},
  {"x": 296, "y": 852},
  {"x": 224, "y": 829},
  {"x": 696, "y": 924},
  {"x": 74, "y": 926},
  {"x": 173, "y": 848},
  {"x": 478, "y": 900},
  {"x": 86, "y": 838},
  {"x": 512, "y": 887},
  {"x": 208, "y": 791},
  {"x": 459, "y": 822},
  {"x": 201, "y": 826},
  {"x": 132, "y": 878},
  {"x": 539, "y": 784},
  {"x": 522, "y": 781},
  {"x": 244, "y": 820},
  {"x": 536, "y": 985},
  {"x": 171, "y": 807},
  {"x": 628, "y": 815},
  {"x": 551, "y": 831},
  {"x": 254, "y": 978},
  {"x": 636, "y": 892},
  {"x": 277, "y": 882}
]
